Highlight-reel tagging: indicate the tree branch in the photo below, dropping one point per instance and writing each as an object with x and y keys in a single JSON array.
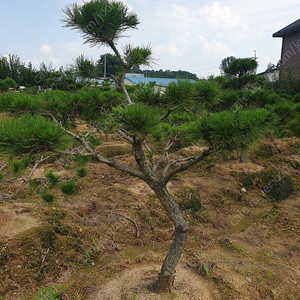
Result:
[
  {"x": 137, "y": 231},
  {"x": 125, "y": 136},
  {"x": 167, "y": 148},
  {"x": 187, "y": 163},
  {"x": 3, "y": 167},
  {"x": 170, "y": 110},
  {"x": 76, "y": 153},
  {"x": 149, "y": 152}
]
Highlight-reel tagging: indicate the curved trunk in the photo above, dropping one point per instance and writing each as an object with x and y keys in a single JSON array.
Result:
[{"x": 167, "y": 274}]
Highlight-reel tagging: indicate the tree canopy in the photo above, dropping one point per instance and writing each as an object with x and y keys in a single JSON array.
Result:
[{"x": 241, "y": 66}]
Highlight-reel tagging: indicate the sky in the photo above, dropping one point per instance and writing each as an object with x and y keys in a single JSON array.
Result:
[{"x": 190, "y": 35}]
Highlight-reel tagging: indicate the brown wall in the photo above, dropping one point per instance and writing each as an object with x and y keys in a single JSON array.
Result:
[{"x": 290, "y": 56}]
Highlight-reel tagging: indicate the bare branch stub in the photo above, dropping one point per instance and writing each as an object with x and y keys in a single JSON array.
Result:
[{"x": 25, "y": 181}]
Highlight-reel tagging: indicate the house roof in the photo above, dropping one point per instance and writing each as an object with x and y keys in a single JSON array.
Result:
[
  {"x": 295, "y": 26},
  {"x": 158, "y": 81}
]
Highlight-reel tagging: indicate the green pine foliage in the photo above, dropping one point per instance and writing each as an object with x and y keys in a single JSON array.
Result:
[
  {"x": 82, "y": 172},
  {"x": 93, "y": 103},
  {"x": 100, "y": 22},
  {"x": 30, "y": 134},
  {"x": 18, "y": 104},
  {"x": 207, "y": 93},
  {"x": 47, "y": 197},
  {"x": 138, "y": 119},
  {"x": 179, "y": 93},
  {"x": 231, "y": 130},
  {"x": 68, "y": 188},
  {"x": 62, "y": 105},
  {"x": 16, "y": 166},
  {"x": 52, "y": 179},
  {"x": 148, "y": 94},
  {"x": 294, "y": 126}
]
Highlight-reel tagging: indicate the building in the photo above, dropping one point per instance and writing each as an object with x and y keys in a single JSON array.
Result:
[
  {"x": 134, "y": 75},
  {"x": 161, "y": 82},
  {"x": 290, "y": 52},
  {"x": 271, "y": 75}
]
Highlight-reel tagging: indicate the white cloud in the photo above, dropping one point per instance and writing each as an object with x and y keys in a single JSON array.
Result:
[
  {"x": 223, "y": 22},
  {"x": 170, "y": 49},
  {"x": 46, "y": 49}
]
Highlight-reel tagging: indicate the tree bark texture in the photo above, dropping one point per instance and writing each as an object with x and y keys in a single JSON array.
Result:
[{"x": 166, "y": 276}]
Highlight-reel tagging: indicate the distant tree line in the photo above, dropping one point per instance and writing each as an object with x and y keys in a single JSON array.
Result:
[{"x": 62, "y": 78}]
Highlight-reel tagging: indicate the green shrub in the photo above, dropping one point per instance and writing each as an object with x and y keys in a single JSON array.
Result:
[
  {"x": 276, "y": 185},
  {"x": 3, "y": 86},
  {"x": 16, "y": 166},
  {"x": 138, "y": 118},
  {"x": 25, "y": 104},
  {"x": 231, "y": 130},
  {"x": 296, "y": 98},
  {"x": 207, "y": 93},
  {"x": 230, "y": 99},
  {"x": 10, "y": 82},
  {"x": 72, "y": 87},
  {"x": 294, "y": 126},
  {"x": 68, "y": 188},
  {"x": 82, "y": 172},
  {"x": 26, "y": 161},
  {"x": 49, "y": 293},
  {"x": 52, "y": 179},
  {"x": 92, "y": 103},
  {"x": 147, "y": 93},
  {"x": 62, "y": 105},
  {"x": 180, "y": 92},
  {"x": 30, "y": 134},
  {"x": 80, "y": 161},
  {"x": 179, "y": 117},
  {"x": 47, "y": 197},
  {"x": 284, "y": 110},
  {"x": 262, "y": 97},
  {"x": 6, "y": 101},
  {"x": 79, "y": 85},
  {"x": 93, "y": 140}
]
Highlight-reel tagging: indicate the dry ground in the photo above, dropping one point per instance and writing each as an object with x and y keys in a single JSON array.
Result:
[{"x": 242, "y": 245}]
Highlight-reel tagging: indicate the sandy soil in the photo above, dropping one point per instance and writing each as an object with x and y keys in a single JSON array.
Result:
[{"x": 134, "y": 284}]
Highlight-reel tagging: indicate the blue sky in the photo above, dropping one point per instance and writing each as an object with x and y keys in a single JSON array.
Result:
[{"x": 189, "y": 35}]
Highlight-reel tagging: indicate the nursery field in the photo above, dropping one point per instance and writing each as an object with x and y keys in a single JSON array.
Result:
[{"x": 73, "y": 227}]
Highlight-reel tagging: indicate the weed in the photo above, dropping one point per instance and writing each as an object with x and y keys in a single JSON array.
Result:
[
  {"x": 47, "y": 197},
  {"x": 1, "y": 175},
  {"x": 16, "y": 166},
  {"x": 68, "y": 188},
  {"x": 206, "y": 269},
  {"x": 93, "y": 140},
  {"x": 196, "y": 238},
  {"x": 82, "y": 172},
  {"x": 134, "y": 296},
  {"x": 51, "y": 178},
  {"x": 86, "y": 259},
  {"x": 49, "y": 293},
  {"x": 26, "y": 161}
]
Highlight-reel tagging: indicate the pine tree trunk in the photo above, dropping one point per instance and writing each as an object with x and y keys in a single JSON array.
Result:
[{"x": 166, "y": 277}]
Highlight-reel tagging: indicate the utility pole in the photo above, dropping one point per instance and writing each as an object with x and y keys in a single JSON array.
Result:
[{"x": 105, "y": 66}]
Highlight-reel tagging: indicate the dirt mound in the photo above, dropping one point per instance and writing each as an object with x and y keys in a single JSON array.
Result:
[
  {"x": 15, "y": 220},
  {"x": 134, "y": 284},
  {"x": 248, "y": 167}
]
